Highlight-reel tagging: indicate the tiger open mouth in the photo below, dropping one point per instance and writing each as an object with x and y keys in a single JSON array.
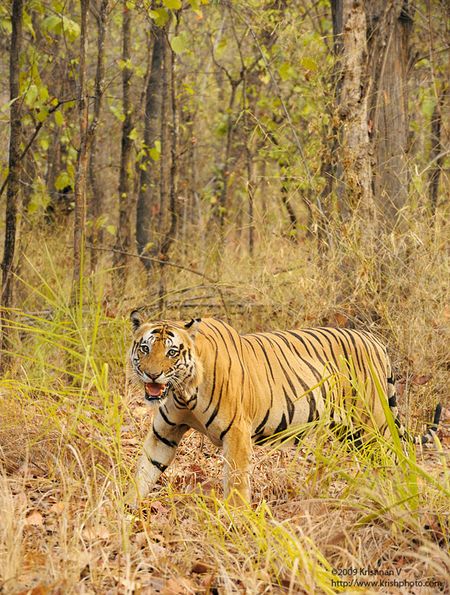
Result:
[{"x": 154, "y": 391}]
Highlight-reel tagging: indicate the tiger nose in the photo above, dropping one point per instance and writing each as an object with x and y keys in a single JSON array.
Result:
[{"x": 154, "y": 376}]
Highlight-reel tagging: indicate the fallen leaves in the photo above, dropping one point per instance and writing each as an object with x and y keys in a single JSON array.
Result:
[
  {"x": 96, "y": 532},
  {"x": 200, "y": 567},
  {"x": 34, "y": 519},
  {"x": 178, "y": 586}
]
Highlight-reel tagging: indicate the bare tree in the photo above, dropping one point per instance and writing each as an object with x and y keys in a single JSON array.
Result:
[
  {"x": 123, "y": 236},
  {"x": 149, "y": 176},
  {"x": 170, "y": 234},
  {"x": 96, "y": 205},
  {"x": 437, "y": 152},
  {"x": 83, "y": 159},
  {"x": 12, "y": 196}
]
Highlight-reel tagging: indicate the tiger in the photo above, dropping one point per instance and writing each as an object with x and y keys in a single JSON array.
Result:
[{"x": 242, "y": 389}]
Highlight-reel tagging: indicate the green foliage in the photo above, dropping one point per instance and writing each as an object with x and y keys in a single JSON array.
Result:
[
  {"x": 172, "y": 4},
  {"x": 179, "y": 43},
  {"x": 160, "y": 16},
  {"x": 155, "y": 151},
  {"x": 40, "y": 198},
  {"x": 63, "y": 180},
  {"x": 61, "y": 25}
]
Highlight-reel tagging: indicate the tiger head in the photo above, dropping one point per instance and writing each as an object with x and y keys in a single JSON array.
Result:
[{"x": 163, "y": 357}]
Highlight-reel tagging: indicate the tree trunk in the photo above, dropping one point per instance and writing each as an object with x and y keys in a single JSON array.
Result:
[
  {"x": 97, "y": 201},
  {"x": 330, "y": 168},
  {"x": 82, "y": 162},
  {"x": 174, "y": 215},
  {"x": 12, "y": 196},
  {"x": 353, "y": 111},
  {"x": 223, "y": 203},
  {"x": 389, "y": 25},
  {"x": 149, "y": 174},
  {"x": 436, "y": 151},
  {"x": 123, "y": 236}
]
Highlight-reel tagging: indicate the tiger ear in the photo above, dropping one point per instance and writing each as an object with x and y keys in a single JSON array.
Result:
[
  {"x": 137, "y": 319},
  {"x": 192, "y": 326}
]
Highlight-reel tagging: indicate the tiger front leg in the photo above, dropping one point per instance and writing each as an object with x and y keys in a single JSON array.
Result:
[
  {"x": 237, "y": 446},
  {"x": 157, "y": 453}
]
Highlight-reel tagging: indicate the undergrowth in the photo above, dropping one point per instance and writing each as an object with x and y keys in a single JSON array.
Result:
[{"x": 322, "y": 514}]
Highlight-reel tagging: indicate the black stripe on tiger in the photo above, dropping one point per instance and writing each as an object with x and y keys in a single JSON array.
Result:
[
  {"x": 285, "y": 372},
  {"x": 165, "y": 418},
  {"x": 166, "y": 441},
  {"x": 214, "y": 376},
  {"x": 314, "y": 370},
  {"x": 269, "y": 384},
  {"x": 158, "y": 465},
  {"x": 261, "y": 426},
  {"x": 227, "y": 429}
]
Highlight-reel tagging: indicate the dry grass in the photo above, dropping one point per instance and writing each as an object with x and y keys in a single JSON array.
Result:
[{"x": 68, "y": 440}]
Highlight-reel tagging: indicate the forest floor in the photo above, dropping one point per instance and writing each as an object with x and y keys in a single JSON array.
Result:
[{"x": 323, "y": 519}]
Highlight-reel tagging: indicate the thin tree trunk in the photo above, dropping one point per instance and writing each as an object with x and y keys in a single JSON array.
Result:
[
  {"x": 222, "y": 203},
  {"x": 251, "y": 185},
  {"x": 12, "y": 196},
  {"x": 82, "y": 162},
  {"x": 149, "y": 174},
  {"x": 436, "y": 151},
  {"x": 170, "y": 236},
  {"x": 293, "y": 222},
  {"x": 164, "y": 158},
  {"x": 97, "y": 201},
  {"x": 353, "y": 112},
  {"x": 331, "y": 169},
  {"x": 389, "y": 26},
  {"x": 123, "y": 236}
]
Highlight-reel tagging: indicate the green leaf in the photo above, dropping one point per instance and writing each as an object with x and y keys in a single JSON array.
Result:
[
  {"x": 308, "y": 64},
  {"x": 5, "y": 24},
  {"x": 118, "y": 113},
  {"x": 133, "y": 134},
  {"x": 43, "y": 93},
  {"x": 42, "y": 114},
  {"x": 221, "y": 47},
  {"x": 179, "y": 43},
  {"x": 63, "y": 180},
  {"x": 286, "y": 71},
  {"x": 188, "y": 89},
  {"x": 31, "y": 95},
  {"x": 52, "y": 24},
  {"x": 125, "y": 64},
  {"x": 111, "y": 229},
  {"x": 155, "y": 152},
  {"x": 59, "y": 118},
  {"x": 427, "y": 107},
  {"x": 172, "y": 4},
  {"x": 71, "y": 28},
  {"x": 195, "y": 5},
  {"x": 160, "y": 16},
  {"x": 58, "y": 25}
]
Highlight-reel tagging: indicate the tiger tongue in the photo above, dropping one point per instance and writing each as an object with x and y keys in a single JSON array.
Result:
[{"x": 154, "y": 389}]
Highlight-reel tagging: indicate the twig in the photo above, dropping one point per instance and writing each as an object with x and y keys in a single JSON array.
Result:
[
  {"x": 152, "y": 259},
  {"x": 214, "y": 282}
]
